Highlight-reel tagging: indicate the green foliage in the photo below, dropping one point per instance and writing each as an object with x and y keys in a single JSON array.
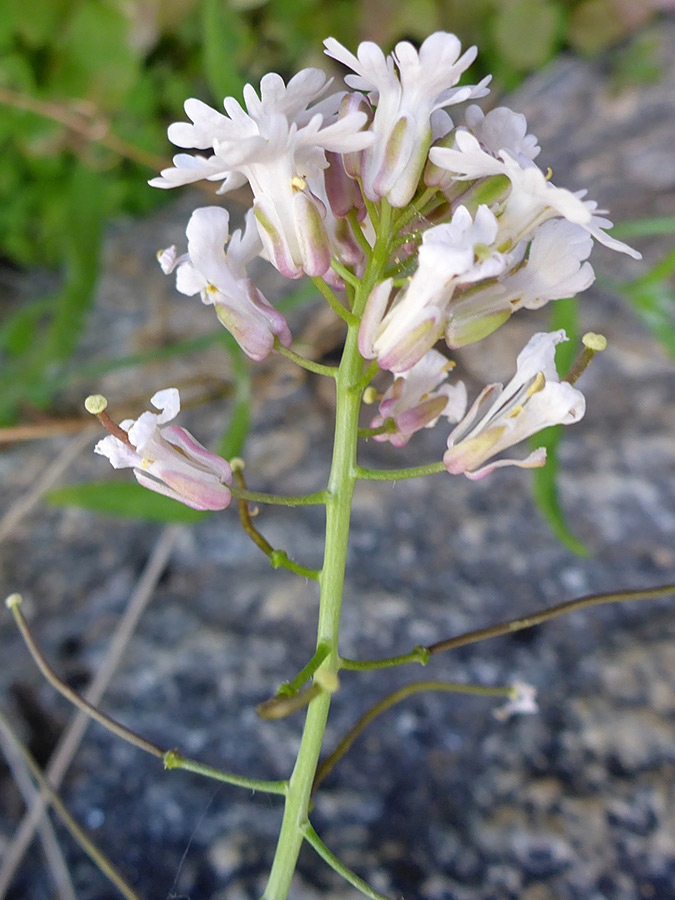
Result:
[
  {"x": 526, "y": 34},
  {"x": 652, "y": 299},
  {"x": 652, "y": 295},
  {"x": 125, "y": 499},
  {"x": 564, "y": 314}
]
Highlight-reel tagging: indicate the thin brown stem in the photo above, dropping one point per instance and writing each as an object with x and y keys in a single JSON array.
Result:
[
  {"x": 66, "y": 691},
  {"x": 391, "y": 700},
  {"x": 89, "y": 124},
  {"x": 278, "y": 558},
  {"x": 484, "y": 634},
  {"x": 78, "y": 834}
]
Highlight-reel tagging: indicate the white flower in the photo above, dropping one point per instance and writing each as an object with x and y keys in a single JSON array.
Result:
[
  {"x": 502, "y": 129},
  {"x": 459, "y": 251},
  {"x": 220, "y": 278},
  {"x": 522, "y": 701},
  {"x": 278, "y": 145},
  {"x": 550, "y": 267},
  {"x": 531, "y": 200},
  {"x": 406, "y": 88},
  {"x": 501, "y": 417},
  {"x": 418, "y": 398},
  {"x": 553, "y": 268},
  {"x": 169, "y": 460}
]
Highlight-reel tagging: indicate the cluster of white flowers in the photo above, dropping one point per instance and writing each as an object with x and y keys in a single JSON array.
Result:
[{"x": 486, "y": 233}]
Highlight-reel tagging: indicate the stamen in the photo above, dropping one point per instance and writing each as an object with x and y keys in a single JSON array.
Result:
[
  {"x": 593, "y": 343},
  {"x": 513, "y": 413},
  {"x": 537, "y": 385},
  {"x": 298, "y": 183},
  {"x": 96, "y": 405}
]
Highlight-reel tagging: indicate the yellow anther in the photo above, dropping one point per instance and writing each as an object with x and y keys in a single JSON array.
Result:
[
  {"x": 516, "y": 411},
  {"x": 537, "y": 385},
  {"x": 549, "y": 173},
  {"x": 298, "y": 183},
  {"x": 211, "y": 289},
  {"x": 450, "y": 364},
  {"x": 13, "y": 600},
  {"x": 146, "y": 463},
  {"x": 595, "y": 342},
  {"x": 95, "y": 404}
]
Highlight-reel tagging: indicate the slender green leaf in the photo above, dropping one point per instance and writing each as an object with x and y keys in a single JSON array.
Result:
[
  {"x": 221, "y": 42},
  {"x": 654, "y": 305},
  {"x": 86, "y": 214},
  {"x": 564, "y": 314},
  {"x": 644, "y": 227},
  {"x": 239, "y": 423},
  {"x": 126, "y": 499}
]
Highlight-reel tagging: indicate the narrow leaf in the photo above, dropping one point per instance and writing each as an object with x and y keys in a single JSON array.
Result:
[
  {"x": 564, "y": 314},
  {"x": 221, "y": 41},
  {"x": 126, "y": 499}
]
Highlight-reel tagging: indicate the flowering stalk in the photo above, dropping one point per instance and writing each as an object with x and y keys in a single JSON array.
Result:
[
  {"x": 343, "y": 476},
  {"x": 414, "y": 231}
]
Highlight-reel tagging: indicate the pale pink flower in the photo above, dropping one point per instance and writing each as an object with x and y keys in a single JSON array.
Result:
[
  {"x": 523, "y": 701},
  {"x": 459, "y": 251},
  {"x": 278, "y": 144},
  {"x": 503, "y": 416},
  {"x": 418, "y": 398},
  {"x": 169, "y": 460},
  {"x": 220, "y": 279},
  {"x": 405, "y": 88}
]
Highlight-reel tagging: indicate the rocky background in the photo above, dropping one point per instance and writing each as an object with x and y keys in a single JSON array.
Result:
[{"x": 437, "y": 800}]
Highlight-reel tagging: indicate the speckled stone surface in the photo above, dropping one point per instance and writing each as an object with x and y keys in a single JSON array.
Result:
[{"x": 438, "y": 800}]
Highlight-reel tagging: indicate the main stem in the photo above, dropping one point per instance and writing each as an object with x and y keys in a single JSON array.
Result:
[{"x": 331, "y": 580}]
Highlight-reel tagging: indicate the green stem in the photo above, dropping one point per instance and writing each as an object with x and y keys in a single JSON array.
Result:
[
  {"x": 399, "y": 474},
  {"x": 327, "y": 856},
  {"x": 338, "y": 500},
  {"x": 349, "y": 278},
  {"x": 303, "y": 362},
  {"x": 389, "y": 427},
  {"x": 418, "y": 655},
  {"x": 317, "y": 499},
  {"x": 174, "y": 760},
  {"x": 353, "y": 220},
  {"x": 371, "y": 371},
  {"x": 391, "y": 700},
  {"x": 279, "y": 560},
  {"x": 332, "y": 300},
  {"x": 288, "y": 688},
  {"x": 338, "y": 511}
]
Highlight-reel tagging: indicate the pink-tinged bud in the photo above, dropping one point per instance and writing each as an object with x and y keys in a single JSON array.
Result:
[
  {"x": 351, "y": 103},
  {"x": 501, "y": 417},
  {"x": 418, "y": 398},
  {"x": 342, "y": 191},
  {"x": 376, "y": 306},
  {"x": 274, "y": 239},
  {"x": 313, "y": 243},
  {"x": 169, "y": 460},
  {"x": 412, "y": 346}
]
